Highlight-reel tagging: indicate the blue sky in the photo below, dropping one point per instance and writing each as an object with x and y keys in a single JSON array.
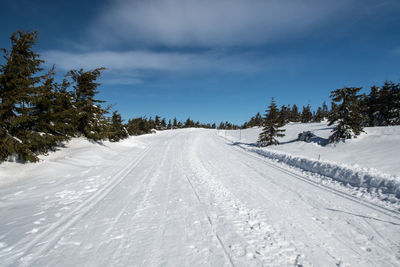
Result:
[{"x": 215, "y": 60}]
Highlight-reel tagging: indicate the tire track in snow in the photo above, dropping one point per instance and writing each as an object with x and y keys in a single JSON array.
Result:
[
  {"x": 389, "y": 244},
  {"x": 52, "y": 234},
  {"x": 252, "y": 241},
  {"x": 226, "y": 254},
  {"x": 140, "y": 208}
]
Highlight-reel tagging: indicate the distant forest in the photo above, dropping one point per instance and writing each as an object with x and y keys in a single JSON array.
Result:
[{"x": 37, "y": 114}]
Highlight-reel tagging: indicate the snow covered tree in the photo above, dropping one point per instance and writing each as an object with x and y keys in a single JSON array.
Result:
[
  {"x": 346, "y": 114},
  {"x": 271, "y": 124}
]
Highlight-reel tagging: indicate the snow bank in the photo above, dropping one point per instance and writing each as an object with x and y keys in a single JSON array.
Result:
[{"x": 358, "y": 177}]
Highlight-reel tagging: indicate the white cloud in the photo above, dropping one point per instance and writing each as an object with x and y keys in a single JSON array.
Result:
[
  {"x": 133, "y": 67},
  {"x": 211, "y": 22},
  {"x": 152, "y": 61}
]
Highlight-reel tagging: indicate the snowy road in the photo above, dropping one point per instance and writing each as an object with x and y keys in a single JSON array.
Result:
[{"x": 188, "y": 198}]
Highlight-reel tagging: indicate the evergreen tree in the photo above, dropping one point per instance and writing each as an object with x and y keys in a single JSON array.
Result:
[
  {"x": 306, "y": 115},
  {"x": 175, "y": 123},
  {"x": 189, "y": 123},
  {"x": 325, "y": 110},
  {"x": 117, "y": 130},
  {"x": 44, "y": 134},
  {"x": 318, "y": 116},
  {"x": 138, "y": 126},
  {"x": 90, "y": 117},
  {"x": 64, "y": 112},
  {"x": 169, "y": 124},
  {"x": 383, "y": 105},
  {"x": 346, "y": 114},
  {"x": 157, "y": 122},
  {"x": 284, "y": 115},
  {"x": 271, "y": 129},
  {"x": 163, "y": 124},
  {"x": 295, "y": 115},
  {"x": 19, "y": 82}
]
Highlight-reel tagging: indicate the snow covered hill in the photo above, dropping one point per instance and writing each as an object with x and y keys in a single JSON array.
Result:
[{"x": 188, "y": 198}]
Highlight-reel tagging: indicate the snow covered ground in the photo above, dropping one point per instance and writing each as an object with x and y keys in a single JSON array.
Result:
[
  {"x": 369, "y": 161},
  {"x": 377, "y": 148},
  {"x": 184, "y": 198}
]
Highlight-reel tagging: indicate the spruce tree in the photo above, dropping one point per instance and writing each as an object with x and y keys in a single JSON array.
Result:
[
  {"x": 90, "y": 115},
  {"x": 295, "y": 115},
  {"x": 346, "y": 114},
  {"x": 284, "y": 115},
  {"x": 383, "y": 105},
  {"x": 318, "y": 116},
  {"x": 306, "y": 115},
  {"x": 19, "y": 81},
  {"x": 271, "y": 129},
  {"x": 44, "y": 134},
  {"x": 325, "y": 110},
  {"x": 117, "y": 130}
]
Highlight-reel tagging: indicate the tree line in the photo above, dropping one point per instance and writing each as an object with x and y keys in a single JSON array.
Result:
[
  {"x": 350, "y": 112},
  {"x": 37, "y": 113}
]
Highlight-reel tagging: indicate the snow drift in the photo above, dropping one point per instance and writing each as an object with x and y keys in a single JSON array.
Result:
[{"x": 358, "y": 177}]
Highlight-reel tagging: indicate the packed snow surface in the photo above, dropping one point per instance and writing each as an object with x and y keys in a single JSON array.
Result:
[{"x": 184, "y": 198}]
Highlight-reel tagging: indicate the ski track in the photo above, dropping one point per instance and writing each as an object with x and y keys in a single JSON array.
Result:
[{"x": 190, "y": 198}]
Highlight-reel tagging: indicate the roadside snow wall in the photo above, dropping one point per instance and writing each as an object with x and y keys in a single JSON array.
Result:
[{"x": 358, "y": 177}]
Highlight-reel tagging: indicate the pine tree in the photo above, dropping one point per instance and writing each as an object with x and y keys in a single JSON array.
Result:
[
  {"x": 271, "y": 129},
  {"x": 346, "y": 114},
  {"x": 383, "y": 105},
  {"x": 169, "y": 126},
  {"x": 44, "y": 134},
  {"x": 157, "y": 122},
  {"x": 64, "y": 112},
  {"x": 318, "y": 116},
  {"x": 117, "y": 130},
  {"x": 19, "y": 80},
  {"x": 90, "y": 115},
  {"x": 189, "y": 123},
  {"x": 284, "y": 114},
  {"x": 325, "y": 110},
  {"x": 163, "y": 124},
  {"x": 295, "y": 115},
  {"x": 306, "y": 115}
]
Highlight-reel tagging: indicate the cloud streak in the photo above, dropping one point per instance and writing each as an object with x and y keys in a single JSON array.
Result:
[
  {"x": 133, "y": 66},
  {"x": 207, "y": 23},
  {"x": 154, "y": 61}
]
